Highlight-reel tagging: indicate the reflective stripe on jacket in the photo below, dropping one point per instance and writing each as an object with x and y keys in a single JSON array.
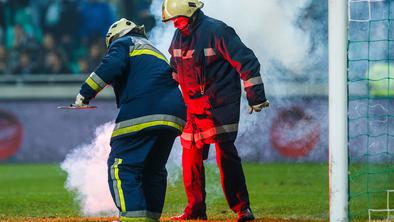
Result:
[
  {"x": 146, "y": 94},
  {"x": 210, "y": 63}
]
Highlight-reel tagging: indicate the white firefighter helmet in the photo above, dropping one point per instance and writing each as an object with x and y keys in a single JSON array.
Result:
[
  {"x": 177, "y": 8},
  {"x": 121, "y": 28}
]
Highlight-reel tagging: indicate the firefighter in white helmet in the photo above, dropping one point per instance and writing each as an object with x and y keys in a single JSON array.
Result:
[
  {"x": 151, "y": 115},
  {"x": 209, "y": 60}
]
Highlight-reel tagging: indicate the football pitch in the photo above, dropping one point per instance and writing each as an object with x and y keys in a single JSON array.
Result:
[{"x": 278, "y": 192}]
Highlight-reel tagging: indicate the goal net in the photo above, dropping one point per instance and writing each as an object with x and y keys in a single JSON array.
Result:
[{"x": 371, "y": 109}]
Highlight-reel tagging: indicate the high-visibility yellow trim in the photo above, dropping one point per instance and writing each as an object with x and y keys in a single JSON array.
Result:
[
  {"x": 97, "y": 79},
  {"x": 119, "y": 183},
  {"x": 138, "y": 127},
  {"x": 138, "y": 52},
  {"x": 96, "y": 87},
  {"x": 150, "y": 118}
]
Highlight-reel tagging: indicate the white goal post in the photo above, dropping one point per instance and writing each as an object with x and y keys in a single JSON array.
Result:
[{"x": 338, "y": 138}]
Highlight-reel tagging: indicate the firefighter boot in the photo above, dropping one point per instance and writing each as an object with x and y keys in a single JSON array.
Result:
[
  {"x": 245, "y": 215},
  {"x": 189, "y": 216}
]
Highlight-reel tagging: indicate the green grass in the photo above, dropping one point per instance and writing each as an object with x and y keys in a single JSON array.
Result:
[
  {"x": 34, "y": 191},
  {"x": 283, "y": 191},
  {"x": 369, "y": 184}
]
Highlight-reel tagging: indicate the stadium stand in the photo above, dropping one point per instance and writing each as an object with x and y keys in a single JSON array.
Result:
[{"x": 60, "y": 36}]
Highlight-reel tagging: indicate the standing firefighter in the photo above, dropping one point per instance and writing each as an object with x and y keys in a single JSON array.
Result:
[
  {"x": 209, "y": 59},
  {"x": 151, "y": 115}
]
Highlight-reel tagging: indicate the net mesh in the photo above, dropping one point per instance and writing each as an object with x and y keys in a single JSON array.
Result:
[{"x": 371, "y": 108}]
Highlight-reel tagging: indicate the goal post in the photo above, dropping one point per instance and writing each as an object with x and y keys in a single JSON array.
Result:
[{"x": 338, "y": 138}]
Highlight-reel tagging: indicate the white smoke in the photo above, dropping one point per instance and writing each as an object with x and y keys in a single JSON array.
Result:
[
  {"x": 161, "y": 35},
  {"x": 86, "y": 168},
  {"x": 267, "y": 27}
]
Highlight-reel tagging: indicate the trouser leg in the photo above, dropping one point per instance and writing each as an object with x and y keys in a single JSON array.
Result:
[
  {"x": 126, "y": 168},
  {"x": 154, "y": 180},
  {"x": 194, "y": 179},
  {"x": 232, "y": 176}
]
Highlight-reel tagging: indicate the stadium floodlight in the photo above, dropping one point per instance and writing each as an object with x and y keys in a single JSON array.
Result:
[{"x": 338, "y": 152}]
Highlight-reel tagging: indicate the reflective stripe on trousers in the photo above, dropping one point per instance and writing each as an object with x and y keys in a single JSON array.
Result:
[{"x": 117, "y": 185}]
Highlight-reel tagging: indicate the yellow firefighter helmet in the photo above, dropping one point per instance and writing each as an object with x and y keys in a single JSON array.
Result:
[
  {"x": 121, "y": 28},
  {"x": 177, "y": 8}
]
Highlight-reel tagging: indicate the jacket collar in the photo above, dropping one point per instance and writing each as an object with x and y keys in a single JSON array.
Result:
[
  {"x": 196, "y": 20},
  {"x": 128, "y": 36}
]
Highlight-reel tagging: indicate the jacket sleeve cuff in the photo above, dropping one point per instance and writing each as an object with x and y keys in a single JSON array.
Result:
[
  {"x": 255, "y": 95},
  {"x": 87, "y": 92}
]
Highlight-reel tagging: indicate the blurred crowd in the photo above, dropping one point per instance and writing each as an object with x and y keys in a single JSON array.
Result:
[{"x": 61, "y": 36}]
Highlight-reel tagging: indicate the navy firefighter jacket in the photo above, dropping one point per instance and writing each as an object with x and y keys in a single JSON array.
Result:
[
  {"x": 211, "y": 61},
  {"x": 146, "y": 94}
]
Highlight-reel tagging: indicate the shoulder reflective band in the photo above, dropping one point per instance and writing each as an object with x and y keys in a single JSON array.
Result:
[
  {"x": 209, "y": 52},
  {"x": 210, "y": 132},
  {"x": 137, "y": 124},
  {"x": 147, "y": 50},
  {"x": 95, "y": 82},
  {"x": 253, "y": 81},
  {"x": 117, "y": 185}
]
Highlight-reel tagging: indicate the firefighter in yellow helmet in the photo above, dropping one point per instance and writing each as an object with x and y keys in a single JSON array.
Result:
[
  {"x": 180, "y": 8},
  {"x": 151, "y": 115},
  {"x": 209, "y": 60},
  {"x": 121, "y": 28}
]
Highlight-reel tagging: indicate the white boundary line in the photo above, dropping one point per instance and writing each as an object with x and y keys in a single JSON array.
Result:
[
  {"x": 388, "y": 203},
  {"x": 388, "y": 210}
]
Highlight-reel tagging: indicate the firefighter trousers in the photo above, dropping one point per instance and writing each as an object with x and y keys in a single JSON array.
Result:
[
  {"x": 231, "y": 176},
  {"x": 137, "y": 176}
]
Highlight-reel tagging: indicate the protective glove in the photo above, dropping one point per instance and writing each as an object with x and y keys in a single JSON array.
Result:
[
  {"x": 259, "y": 107},
  {"x": 80, "y": 101}
]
